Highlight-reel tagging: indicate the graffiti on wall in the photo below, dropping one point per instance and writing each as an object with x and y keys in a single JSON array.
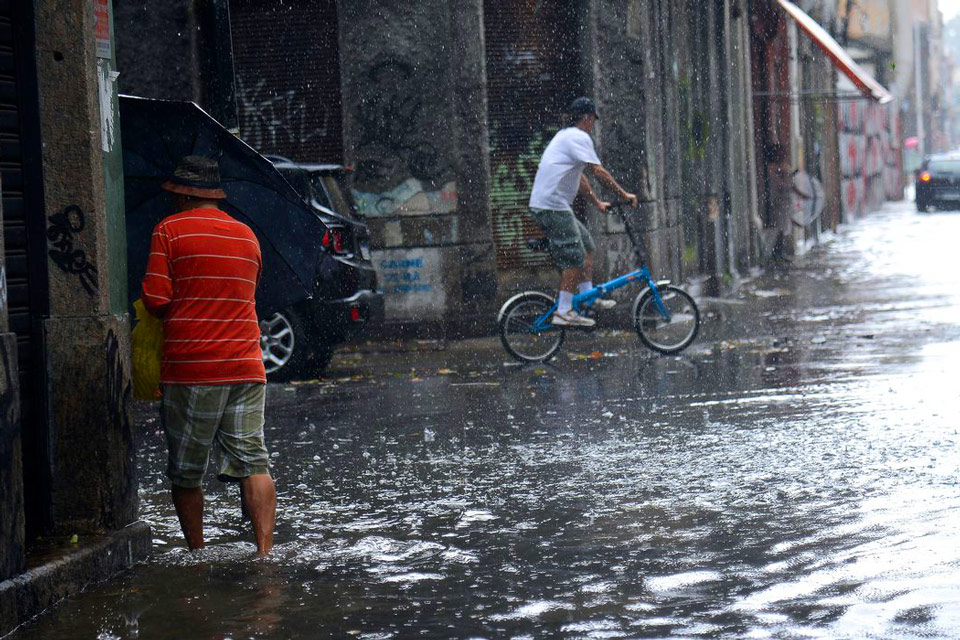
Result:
[
  {"x": 869, "y": 156},
  {"x": 512, "y": 182},
  {"x": 398, "y": 168},
  {"x": 271, "y": 120},
  {"x": 62, "y": 232},
  {"x": 408, "y": 197},
  {"x": 119, "y": 387}
]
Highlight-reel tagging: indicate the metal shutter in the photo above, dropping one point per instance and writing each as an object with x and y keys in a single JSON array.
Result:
[
  {"x": 533, "y": 61},
  {"x": 287, "y": 65},
  {"x": 13, "y": 190},
  {"x": 21, "y": 190}
]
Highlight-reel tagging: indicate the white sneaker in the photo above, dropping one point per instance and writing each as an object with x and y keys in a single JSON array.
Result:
[
  {"x": 603, "y": 303},
  {"x": 571, "y": 319}
]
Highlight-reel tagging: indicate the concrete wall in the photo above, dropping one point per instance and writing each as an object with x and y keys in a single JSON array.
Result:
[
  {"x": 741, "y": 175},
  {"x": 869, "y": 156},
  {"x": 673, "y": 85},
  {"x": 82, "y": 474},
  {"x": 674, "y": 81},
  {"x": 414, "y": 109},
  {"x": 157, "y": 49},
  {"x": 177, "y": 50},
  {"x": 89, "y": 462},
  {"x": 636, "y": 87}
]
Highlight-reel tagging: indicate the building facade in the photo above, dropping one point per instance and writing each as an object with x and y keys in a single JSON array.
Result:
[
  {"x": 67, "y": 454},
  {"x": 443, "y": 109},
  {"x": 921, "y": 80}
]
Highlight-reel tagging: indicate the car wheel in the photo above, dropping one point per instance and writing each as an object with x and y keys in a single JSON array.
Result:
[
  {"x": 279, "y": 338},
  {"x": 290, "y": 350}
]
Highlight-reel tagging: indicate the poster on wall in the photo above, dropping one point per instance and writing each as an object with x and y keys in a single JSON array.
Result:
[
  {"x": 101, "y": 16},
  {"x": 411, "y": 280}
]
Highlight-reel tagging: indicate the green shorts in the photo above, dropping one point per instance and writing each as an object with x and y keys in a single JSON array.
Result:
[
  {"x": 569, "y": 239},
  {"x": 228, "y": 418}
]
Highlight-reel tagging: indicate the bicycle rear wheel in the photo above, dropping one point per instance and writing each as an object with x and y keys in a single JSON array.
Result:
[
  {"x": 519, "y": 333},
  {"x": 662, "y": 334}
]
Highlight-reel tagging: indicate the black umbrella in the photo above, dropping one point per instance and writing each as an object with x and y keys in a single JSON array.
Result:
[{"x": 156, "y": 134}]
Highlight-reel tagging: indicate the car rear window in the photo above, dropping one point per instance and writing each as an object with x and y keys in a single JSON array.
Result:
[
  {"x": 323, "y": 188},
  {"x": 944, "y": 166},
  {"x": 339, "y": 198}
]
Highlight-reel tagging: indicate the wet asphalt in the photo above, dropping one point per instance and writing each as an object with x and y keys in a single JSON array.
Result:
[{"x": 793, "y": 474}]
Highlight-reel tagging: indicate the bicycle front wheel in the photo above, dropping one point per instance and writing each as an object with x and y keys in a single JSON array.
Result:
[
  {"x": 670, "y": 333},
  {"x": 522, "y": 332}
]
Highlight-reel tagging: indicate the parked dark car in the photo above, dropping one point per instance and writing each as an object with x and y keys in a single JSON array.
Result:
[
  {"x": 299, "y": 341},
  {"x": 938, "y": 182}
]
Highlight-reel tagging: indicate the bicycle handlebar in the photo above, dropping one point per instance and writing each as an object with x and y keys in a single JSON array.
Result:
[
  {"x": 625, "y": 203},
  {"x": 616, "y": 206}
]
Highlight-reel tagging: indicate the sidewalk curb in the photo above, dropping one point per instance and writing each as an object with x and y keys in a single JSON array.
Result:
[{"x": 29, "y": 594}]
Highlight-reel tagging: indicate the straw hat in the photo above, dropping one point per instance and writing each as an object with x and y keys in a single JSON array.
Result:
[{"x": 198, "y": 177}]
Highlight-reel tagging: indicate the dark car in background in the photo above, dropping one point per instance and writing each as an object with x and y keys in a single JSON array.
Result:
[
  {"x": 299, "y": 341},
  {"x": 938, "y": 182}
]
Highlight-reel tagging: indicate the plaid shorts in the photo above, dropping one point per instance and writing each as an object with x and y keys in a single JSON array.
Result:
[
  {"x": 570, "y": 242},
  {"x": 227, "y": 417}
]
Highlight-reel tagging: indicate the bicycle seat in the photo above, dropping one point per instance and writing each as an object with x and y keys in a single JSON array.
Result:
[{"x": 538, "y": 244}]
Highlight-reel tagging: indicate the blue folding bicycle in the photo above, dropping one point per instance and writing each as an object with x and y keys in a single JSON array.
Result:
[{"x": 665, "y": 316}]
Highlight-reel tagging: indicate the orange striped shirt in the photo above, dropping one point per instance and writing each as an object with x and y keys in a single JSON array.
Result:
[{"x": 201, "y": 278}]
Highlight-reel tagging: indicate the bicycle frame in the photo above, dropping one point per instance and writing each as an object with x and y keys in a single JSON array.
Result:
[
  {"x": 641, "y": 274},
  {"x": 586, "y": 298}
]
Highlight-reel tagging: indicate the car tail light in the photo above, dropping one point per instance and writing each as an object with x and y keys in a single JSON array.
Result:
[
  {"x": 355, "y": 314},
  {"x": 925, "y": 176},
  {"x": 333, "y": 239}
]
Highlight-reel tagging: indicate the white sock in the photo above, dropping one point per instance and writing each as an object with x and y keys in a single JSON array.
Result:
[
  {"x": 565, "y": 302},
  {"x": 586, "y": 285}
]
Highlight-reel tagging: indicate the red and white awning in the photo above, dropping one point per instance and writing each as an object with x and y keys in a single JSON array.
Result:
[{"x": 840, "y": 58}]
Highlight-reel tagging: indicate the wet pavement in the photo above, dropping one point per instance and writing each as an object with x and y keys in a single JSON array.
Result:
[{"x": 792, "y": 475}]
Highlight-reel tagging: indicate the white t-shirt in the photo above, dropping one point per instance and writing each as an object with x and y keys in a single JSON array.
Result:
[{"x": 562, "y": 163}]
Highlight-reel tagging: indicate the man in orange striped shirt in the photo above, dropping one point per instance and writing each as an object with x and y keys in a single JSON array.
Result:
[{"x": 201, "y": 279}]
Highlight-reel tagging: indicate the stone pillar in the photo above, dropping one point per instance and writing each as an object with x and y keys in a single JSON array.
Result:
[
  {"x": 637, "y": 82},
  {"x": 716, "y": 195},
  {"x": 740, "y": 170},
  {"x": 414, "y": 105},
  {"x": 477, "y": 277},
  {"x": 90, "y": 458}
]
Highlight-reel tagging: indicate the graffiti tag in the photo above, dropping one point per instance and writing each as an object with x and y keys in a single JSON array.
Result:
[
  {"x": 119, "y": 387},
  {"x": 62, "y": 231},
  {"x": 272, "y": 120}
]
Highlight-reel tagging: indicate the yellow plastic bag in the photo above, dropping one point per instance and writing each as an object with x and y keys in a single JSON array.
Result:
[{"x": 146, "y": 342}]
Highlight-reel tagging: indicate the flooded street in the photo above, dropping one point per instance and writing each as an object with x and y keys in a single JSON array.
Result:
[{"x": 794, "y": 474}]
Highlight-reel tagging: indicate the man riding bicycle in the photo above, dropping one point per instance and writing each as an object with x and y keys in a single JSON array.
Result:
[{"x": 559, "y": 179}]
